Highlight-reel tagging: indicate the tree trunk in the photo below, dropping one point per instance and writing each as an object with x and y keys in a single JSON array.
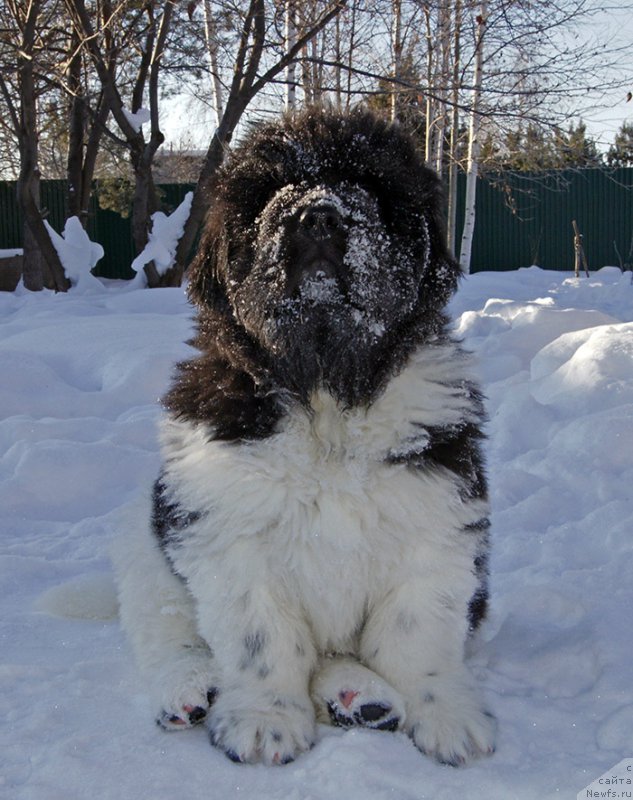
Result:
[
  {"x": 34, "y": 266},
  {"x": 42, "y": 266},
  {"x": 444, "y": 35},
  {"x": 75, "y": 133},
  {"x": 290, "y": 35},
  {"x": 453, "y": 166},
  {"x": 429, "y": 110},
  {"x": 144, "y": 200},
  {"x": 396, "y": 46},
  {"x": 91, "y": 151},
  {"x": 217, "y": 94},
  {"x": 473, "y": 148},
  {"x": 82, "y": 152},
  {"x": 213, "y": 159}
]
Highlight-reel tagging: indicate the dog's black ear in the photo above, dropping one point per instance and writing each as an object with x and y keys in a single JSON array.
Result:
[{"x": 206, "y": 287}]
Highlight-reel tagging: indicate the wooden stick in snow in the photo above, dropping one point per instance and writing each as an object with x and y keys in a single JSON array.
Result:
[{"x": 579, "y": 251}]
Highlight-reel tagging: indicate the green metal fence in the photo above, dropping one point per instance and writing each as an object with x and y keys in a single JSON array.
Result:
[
  {"x": 521, "y": 219},
  {"x": 526, "y": 218},
  {"x": 110, "y": 229}
]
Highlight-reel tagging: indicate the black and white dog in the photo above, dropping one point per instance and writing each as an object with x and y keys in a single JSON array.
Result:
[{"x": 319, "y": 533}]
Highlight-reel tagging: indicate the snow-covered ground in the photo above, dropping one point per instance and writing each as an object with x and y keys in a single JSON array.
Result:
[{"x": 81, "y": 374}]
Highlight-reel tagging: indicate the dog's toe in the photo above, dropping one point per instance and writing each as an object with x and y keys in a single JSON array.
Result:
[
  {"x": 451, "y": 726},
  {"x": 270, "y": 730}
]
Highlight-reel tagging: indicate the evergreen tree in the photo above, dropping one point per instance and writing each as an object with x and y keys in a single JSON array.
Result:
[
  {"x": 529, "y": 149},
  {"x": 575, "y": 148},
  {"x": 620, "y": 153}
]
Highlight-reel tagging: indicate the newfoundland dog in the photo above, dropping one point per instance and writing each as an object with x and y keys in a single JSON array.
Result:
[{"x": 317, "y": 547}]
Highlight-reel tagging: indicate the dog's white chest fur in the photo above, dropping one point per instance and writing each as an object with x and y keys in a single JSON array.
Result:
[{"x": 319, "y": 505}]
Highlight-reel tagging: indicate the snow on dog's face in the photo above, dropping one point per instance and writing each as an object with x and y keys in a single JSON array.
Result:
[
  {"x": 324, "y": 244},
  {"x": 325, "y": 262}
]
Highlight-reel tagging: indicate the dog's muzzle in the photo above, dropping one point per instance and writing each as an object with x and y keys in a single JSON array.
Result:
[{"x": 318, "y": 244}]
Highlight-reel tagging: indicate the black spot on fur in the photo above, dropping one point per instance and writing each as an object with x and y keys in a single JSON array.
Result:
[
  {"x": 406, "y": 622},
  {"x": 478, "y": 606},
  {"x": 456, "y": 448},
  {"x": 169, "y": 519},
  {"x": 392, "y": 724},
  {"x": 212, "y": 694},
  {"x": 254, "y": 644}
]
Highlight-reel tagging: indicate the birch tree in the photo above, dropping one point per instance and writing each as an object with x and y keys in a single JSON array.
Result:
[
  {"x": 473, "y": 143},
  {"x": 454, "y": 127},
  {"x": 211, "y": 41}
]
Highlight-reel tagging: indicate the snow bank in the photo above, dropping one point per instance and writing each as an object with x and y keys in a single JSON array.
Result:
[{"x": 78, "y": 454}]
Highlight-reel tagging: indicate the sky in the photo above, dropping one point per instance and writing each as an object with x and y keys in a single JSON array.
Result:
[{"x": 604, "y": 121}]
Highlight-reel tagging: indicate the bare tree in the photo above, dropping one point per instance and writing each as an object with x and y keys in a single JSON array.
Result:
[
  {"x": 86, "y": 118},
  {"x": 28, "y": 31},
  {"x": 114, "y": 30}
]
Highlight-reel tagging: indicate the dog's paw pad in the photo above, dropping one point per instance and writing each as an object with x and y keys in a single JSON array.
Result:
[
  {"x": 351, "y": 695},
  {"x": 379, "y": 716},
  {"x": 186, "y": 716}
]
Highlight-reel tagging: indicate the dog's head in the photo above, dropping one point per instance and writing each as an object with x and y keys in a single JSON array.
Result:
[{"x": 325, "y": 245}]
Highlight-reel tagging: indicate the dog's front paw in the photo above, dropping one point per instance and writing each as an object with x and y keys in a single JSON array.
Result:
[
  {"x": 273, "y": 729},
  {"x": 177, "y": 717},
  {"x": 185, "y": 690},
  {"x": 448, "y": 722},
  {"x": 349, "y": 694}
]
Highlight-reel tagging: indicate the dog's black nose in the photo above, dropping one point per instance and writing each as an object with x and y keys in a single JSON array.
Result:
[{"x": 320, "y": 221}]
